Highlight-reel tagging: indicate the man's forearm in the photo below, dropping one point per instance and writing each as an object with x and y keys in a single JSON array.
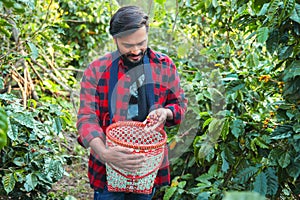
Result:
[{"x": 99, "y": 147}]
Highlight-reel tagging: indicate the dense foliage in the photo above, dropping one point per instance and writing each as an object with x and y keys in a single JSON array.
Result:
[
  {"x": 240, "y": 67},
  {"x": 248, "y": 99}
]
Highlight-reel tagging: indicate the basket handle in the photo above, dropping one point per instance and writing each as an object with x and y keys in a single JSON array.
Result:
[{"x": 138, "y": 177}]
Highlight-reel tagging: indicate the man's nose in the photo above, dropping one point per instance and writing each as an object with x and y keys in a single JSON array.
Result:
[{"x": 135, "y": 50}]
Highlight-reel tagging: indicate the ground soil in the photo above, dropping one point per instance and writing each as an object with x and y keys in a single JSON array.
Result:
[{"x": 75, "y": 183}]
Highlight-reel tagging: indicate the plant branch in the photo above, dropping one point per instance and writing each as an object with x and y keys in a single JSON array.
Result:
[
  {"x": 70, "y": 69},
  {"x": 49, "y": 72},
  {"x": 44, "y": 20},
  {"x": 17, "y": 78},
  {"x": 174, "y": 24},
  {"x": 7, "y": 53},
  {"x": 76, "y": 21}
]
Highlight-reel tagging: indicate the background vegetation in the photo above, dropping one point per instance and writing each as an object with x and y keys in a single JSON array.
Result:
[{"x": 240, "y": 67}]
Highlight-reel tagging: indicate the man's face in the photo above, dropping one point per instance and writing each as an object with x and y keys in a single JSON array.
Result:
[{"x": 134, "y": 45}]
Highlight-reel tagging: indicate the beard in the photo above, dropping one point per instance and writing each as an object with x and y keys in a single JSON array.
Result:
[{"x": 129, "y": 60}]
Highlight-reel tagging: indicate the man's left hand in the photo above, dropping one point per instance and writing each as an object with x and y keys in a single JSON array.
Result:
[{"x": 157, "y": 118}]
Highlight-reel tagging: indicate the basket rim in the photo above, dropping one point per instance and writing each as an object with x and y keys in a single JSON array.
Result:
[{"x": 129, "y": 145}]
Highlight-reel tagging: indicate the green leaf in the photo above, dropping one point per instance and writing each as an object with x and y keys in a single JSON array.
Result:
[
  {"x": 169, "y": 193},
  {"x": 291, "y": 89},
  {"x": 262, "y": 35},
  {"x": 243, "y": 196},
  {"x": 284, "y": 160},
  {"x": 237, "y": 128},
  {"x": 57, "y": 126},
  {"x": 183, "y": 50},
  {"x": 260, "y": 142},
  {"x": 5, "y": 31},
  {"x": 244, "y": 175},
  {"x": 281, "y": 132},
  {"x": 293, "y": 170},
  {"x": 8, "y": 97},
  {"x": 215, "y": 3},
  {"x": 3, "y": 128},
  {"x": 272, "y": 181},
  {"x": 206, "y": 148},
  {"x": 274, "y": 156},
  {"x": 161, "y": 2},
  {"x": 295, "y": 16},
  {"x": 263, "y": 9},
  {"x": 207, "y": 122},
  {"x": 70, "y": 197},
  {"x": 285, "y": 52},
  {"x": 181, "y": 184},
  {"x": 1, "y": 83},
  {"x": 54, "y": 169},
  {"x": 260, "y": 184},
  {"x": 292, "y": 71},
  {"x": 204, "y": 178},
  {"x": 214, "y": 129},
  {"x": 29, "y": 3},
  {"x": 235, "y": 86},
  {"x": 296, "y": 128},
  {"x": 252, "y": 60},
  {"x": 19, "y": 161},
  {"x": 216, "y": 97},
  {"x": 187, "y": 176},
  {"x": 253, "y": 145},
  {"x": 31, "y": 182},
  {"x": 13, "y": 131},
  {"x": 4, "y": 22},
  {"x": 8, "y": 3},
  {"x": 19, "y": 8},
  {"x": 273, "y": 41},
  {"x": 8, "y": 182},
  {"x": 289, "y": 7},
  {"x": 24, "y": 119},
  {"x": 203, "y": 196},
  {"x": 225, "y": 130},
  {"x": 34, "y": 50},
  {"x": 225, "y": 165},
  {"x": 274, "y": 5}
]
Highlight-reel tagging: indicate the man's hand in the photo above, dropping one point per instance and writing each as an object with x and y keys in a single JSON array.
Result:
[
  {"x": 123, "y": 158},
  {"x": 118, "y": 156},
  {"x": 157, "y": 118}
]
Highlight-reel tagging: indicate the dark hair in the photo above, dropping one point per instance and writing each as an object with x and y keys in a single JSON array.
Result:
[{"x": 127, "y": 20}]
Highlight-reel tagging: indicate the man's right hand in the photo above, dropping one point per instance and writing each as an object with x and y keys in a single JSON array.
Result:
[
  {"x": 123, "y": 158},
  {"x": 120, "y": 157}
]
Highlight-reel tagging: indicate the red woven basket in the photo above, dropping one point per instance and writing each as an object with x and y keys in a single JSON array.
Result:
[{"x": 132, "y": 135}]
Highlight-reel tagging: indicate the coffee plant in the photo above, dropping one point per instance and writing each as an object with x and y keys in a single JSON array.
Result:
[
  {"x": 247, "y": 87},
  {"x": 239, "y": 64},
  {"x": 31, "y": 162}
]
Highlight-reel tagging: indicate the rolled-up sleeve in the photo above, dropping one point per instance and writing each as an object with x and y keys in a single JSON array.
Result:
[
  {"x": 176, "y": 100},
  {"x": 88, "y": 118}
]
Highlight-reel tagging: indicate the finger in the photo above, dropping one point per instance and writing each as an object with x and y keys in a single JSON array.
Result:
[
  {"x": 123, "y": 149},
  {"x": 130, "y": 164},
  {"x": 136, "y": 157},
  {"x": 131, "y": 169}
]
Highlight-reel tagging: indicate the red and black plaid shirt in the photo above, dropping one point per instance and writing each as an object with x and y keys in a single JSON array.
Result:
[{"x": 93, "y": 117}]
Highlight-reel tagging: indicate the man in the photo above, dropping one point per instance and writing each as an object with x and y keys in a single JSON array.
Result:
[{"x": 130, "y": 84}]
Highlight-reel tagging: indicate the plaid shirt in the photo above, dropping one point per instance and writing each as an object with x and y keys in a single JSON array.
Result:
[{"x": 93, "y": 117}]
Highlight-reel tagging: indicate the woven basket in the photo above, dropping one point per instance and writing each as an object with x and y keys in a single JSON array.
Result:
[{"x": 131, "y": 134}]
